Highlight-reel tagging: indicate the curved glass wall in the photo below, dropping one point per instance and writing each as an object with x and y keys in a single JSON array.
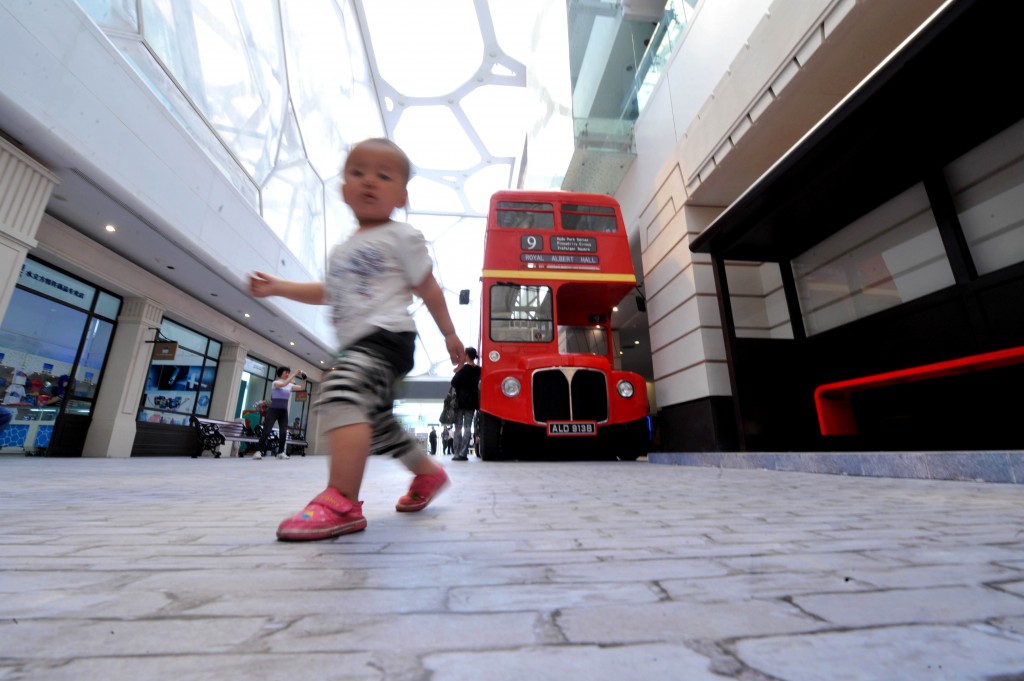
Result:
[{"x": 275, "y": 92}]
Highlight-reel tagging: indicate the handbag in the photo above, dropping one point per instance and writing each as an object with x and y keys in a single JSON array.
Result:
[{"x": 448, "y": 411}]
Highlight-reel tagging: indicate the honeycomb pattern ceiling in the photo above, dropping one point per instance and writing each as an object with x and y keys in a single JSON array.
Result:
[{"x": 277, "y": 92}]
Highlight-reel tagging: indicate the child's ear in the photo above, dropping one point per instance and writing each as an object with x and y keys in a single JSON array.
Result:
[{"x": 405, "y": 199}]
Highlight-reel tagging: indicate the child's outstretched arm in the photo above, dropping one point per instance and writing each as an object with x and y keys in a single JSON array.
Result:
[
  {"x": 433, "y": 298},
  {"x": 262, "y": 285}
]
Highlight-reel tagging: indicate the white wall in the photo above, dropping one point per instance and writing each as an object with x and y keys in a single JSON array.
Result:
[{"x": 747, "y": 81}]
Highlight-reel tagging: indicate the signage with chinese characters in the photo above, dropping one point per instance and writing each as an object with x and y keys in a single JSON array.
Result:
[{"x": 48, "y": 281}]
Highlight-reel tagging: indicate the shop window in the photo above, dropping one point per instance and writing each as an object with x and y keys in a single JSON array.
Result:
[
  {"x": 255, "y": 385},
  {"x": 890, "y": 256},
  {"x": 179, "y": 387},
  {"x": 54, "y": 341}
]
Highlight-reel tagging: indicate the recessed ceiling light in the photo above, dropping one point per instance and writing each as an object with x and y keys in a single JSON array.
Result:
[
  {"x": 615, "y": 309},
  {"x": 247, "y": 315},
  {"x": 110, "y": 228},
  {"x": 636, "y": 342},
  {"x": 291, "y": 342},
  {"x": 321, "y": 361}
]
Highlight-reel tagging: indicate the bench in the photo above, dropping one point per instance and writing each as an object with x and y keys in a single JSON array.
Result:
[
  {"x": 832, "y": 400},
  {"x": 212, "y": 433}
]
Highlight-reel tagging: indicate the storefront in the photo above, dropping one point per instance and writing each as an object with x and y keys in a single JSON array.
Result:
[
  {"x": 179, "y": 384},
  {"x": 54, "y": 344}
]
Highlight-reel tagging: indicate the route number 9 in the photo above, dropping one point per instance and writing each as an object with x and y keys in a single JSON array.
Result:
[{"x": 531, "y": 243}]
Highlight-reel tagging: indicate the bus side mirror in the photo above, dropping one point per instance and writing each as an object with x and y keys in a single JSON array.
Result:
[{"x": 464, "y": 297}]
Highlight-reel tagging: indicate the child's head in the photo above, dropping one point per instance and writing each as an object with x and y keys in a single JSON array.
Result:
[{"x": 375, "y": 177}]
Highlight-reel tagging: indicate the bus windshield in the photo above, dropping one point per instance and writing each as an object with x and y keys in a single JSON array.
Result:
[{"x": 521, "y": 313}]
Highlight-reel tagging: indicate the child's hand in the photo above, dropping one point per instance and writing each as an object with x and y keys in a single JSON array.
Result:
[
  {"x": 262, "y": 284},
  {"x": 456, "y": 351}
]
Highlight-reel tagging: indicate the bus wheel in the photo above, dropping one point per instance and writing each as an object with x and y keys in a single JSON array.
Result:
[{"x": 490, "y": 434}]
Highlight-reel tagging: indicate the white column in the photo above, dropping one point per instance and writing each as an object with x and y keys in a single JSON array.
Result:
[
  {"x": 25, "y": 187},
  {"x": 228, "y": 381},
  {"x": 112, "y": 433}
]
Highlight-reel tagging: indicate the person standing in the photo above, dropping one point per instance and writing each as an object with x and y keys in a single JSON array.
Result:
[
  {"x": 370, "y": 281},
  {"x": 446, "y": 441},
  {"x": 280, "y": 396},
  {"x": 467, "y": 401},
  {"x": 432, "y": 439}
]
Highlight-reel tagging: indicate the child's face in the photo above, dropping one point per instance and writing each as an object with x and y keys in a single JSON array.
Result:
[{"x": 374, "y": 183}]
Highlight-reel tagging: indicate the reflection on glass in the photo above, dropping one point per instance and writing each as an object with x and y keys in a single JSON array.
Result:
[
  {"x": 892, "y": 255},
  {"x": 988, "y": 192},
  {"x": 588, "y": 340},
  {"x": 91, "y": 362},
  {"x": 39, "y": 341},
  {"x": 522, "y": 215},
  {"x": 107, "y": 305},
  {"x": 588, "y": 218}
]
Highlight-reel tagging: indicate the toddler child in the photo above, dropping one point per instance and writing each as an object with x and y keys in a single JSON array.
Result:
[{"x": 370, "y": 279}]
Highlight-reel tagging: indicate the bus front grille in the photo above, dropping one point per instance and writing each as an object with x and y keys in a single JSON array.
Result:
[{"x": 555, "y": 399}]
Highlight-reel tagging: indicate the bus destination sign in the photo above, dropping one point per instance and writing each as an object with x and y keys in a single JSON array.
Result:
[
  {"x": 556, "y": 259},
  {"x": 575, "y": 244}
]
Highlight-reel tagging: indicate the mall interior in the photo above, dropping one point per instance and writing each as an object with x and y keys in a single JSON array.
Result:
[{"x": 824, "y": 201}]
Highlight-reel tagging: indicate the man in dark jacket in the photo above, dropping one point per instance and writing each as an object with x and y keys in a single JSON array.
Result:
[{"x": 467, "y": 391}]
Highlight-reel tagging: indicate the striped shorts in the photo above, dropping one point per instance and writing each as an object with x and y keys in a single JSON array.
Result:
[{"x": 361, "y": 390}]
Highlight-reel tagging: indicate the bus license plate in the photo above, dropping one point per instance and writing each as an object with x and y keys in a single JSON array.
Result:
[{"x": 572, "y": 428}]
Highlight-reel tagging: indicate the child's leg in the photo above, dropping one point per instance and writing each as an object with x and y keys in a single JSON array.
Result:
[
  {"x": 349, "y": 446},
  {"x": 419, "y": 463}
]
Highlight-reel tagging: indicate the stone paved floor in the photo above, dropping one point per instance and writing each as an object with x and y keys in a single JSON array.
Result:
[{"x": 168, "y": 569}]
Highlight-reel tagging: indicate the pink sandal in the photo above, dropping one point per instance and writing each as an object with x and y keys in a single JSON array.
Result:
[
  {"x": 422, "y": 490},
  {"x": 328, "y": 515}
]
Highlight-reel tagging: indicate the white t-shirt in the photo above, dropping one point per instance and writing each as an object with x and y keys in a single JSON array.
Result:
[{"x": 370, "y": 277}]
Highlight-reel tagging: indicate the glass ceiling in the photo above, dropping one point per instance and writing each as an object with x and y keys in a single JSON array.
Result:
[{"x": 276, "y": 92}]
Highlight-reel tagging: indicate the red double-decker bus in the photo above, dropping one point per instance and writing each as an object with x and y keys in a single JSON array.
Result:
[{"x": 555, "y": 264}]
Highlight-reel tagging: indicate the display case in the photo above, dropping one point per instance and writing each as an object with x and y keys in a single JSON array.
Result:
[{"x": 30, "y": 429}]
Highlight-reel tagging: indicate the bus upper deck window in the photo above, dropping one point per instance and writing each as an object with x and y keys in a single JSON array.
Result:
[
  {"x": 526, "y": 215},
  {"x": 576, "y": 218}
]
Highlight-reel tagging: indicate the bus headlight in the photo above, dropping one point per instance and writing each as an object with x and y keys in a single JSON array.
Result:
[
  {"x": 624, "y": 388},
  {"x": 510, "y": 387}
]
